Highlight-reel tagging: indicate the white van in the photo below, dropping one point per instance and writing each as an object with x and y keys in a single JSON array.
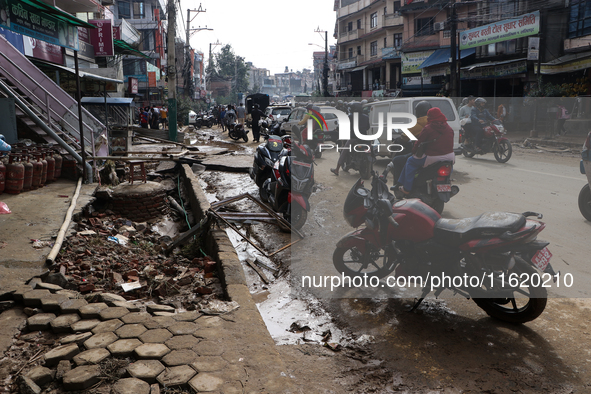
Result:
[{"x": 408, "y": 104}]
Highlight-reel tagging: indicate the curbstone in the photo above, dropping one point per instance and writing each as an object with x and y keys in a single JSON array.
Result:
[{"x": 81, "y": 378}]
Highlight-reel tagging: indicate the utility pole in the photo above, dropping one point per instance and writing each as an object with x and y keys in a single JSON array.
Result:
[
  {"x": 325, "y": 66},
  {"x": 210, "y": 67},
  {"x": 171, "y": 61},
  {"x": 454, "y": 67},
  {"x": 190, "y": 32}
]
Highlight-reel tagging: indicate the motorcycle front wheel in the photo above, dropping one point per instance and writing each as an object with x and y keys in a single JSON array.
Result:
[
  {"x": 350, "y": 261},
  {"x": 503, "y": 151},
  {"x": 234, "y": 135},
  {"x": 585, "y": 202},
  {"x": 245, "y": 137},
  {"x": 297, "y": 217}
]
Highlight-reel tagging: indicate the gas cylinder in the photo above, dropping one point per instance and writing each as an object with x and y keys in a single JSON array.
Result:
[
  {"x": 44, "y": 172},
  {"x": 50, "y": 166},
  {"x": 2, "y": 177},
  {"x": 37, "y": 170},
  {"x": 15, "y": 175},
  {"x": 58, "y": 164},
  {"x": 27, "y": 185}
]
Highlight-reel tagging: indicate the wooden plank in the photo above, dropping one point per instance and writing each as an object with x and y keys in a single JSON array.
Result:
[{"x": 184, "y": 237}]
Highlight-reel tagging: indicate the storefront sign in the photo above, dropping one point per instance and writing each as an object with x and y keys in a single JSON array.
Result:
[
  {"x": 508, "y": 29},
  {"x": 102, "y": 37},
  {"x": 411, "y": 61},
  {"x": 390, "y": 53},
  {"x": 132, "y": 85},
  {"x": 533, "y": 48},
  {"x": 345, "y": 65},
  {"x": 498, "y": 71},
  {"x": 435, "y": 71},
  {"x": 116, "y": 32},
  {"x": 43, "y": 50},
  {"x": 152, "y": 79},
  {"x": 21, "y": 18},
  {"x": 566, "y": 67},
  {"x": 415, "y": 81},
  {"x": 14, "y": 38}
]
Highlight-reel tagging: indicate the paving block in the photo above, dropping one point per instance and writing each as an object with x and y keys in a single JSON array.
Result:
[
  {"x": 115, "y": 312},
  {"x": 41, "y": 375},
  {"x": 209, "y": 364},
  {"x": 136, "y": 317},
  {"x": 147, "y": 370},
  {"x": 159, "y": 308},
  {"x": 63, "y": 367},
  {"x": 107, "y": 326},
  {"x": 168, "y": 314},
  {"x": 26, "y": 385},
  {"x": 82, "y": 377},
  {"x": 187, "y": 316},
  {"x": 64, "y": 352},
  {"x": 34, "y": 297},
  {"x": 92, "y": 356},
  {"x": 210, "y": 322},
  {"x": 101, "y": 340},
  {"x": 76, "y": 338},
  {"x": 48, "y": 286},
  {"x": 110, "y": 298},
  {"x": 69, "y": 293},
  {"x": 159, "y": 335},
  {"x": 52, "y": 303},
  {"x": 92, "y": 311},
  {"x": 176, "y": 376},
  {"x": 62, "y": 323},
  {"x": 209, "y": 334},
  {"x": 85, "y": 325},
  {"x": 183, "y": 328},
  {"x": 131, "y": 307},
  {"x": 18, "y": 294},
  {"x": 151, "y": 351},
  {"x": 155, "y": 388},
  {"x": 72, "y": 305},
  {"x": 123, "y": 347},
  {"x": 179, "y": 357},
  {"x": 206, "y": 382},
  {"x": 208, "y": 348},
  {"x": 130, "y": 385},
  {"x": 160, "y": 322},
  {"x": 179, "y": 342},
  {"x": 131, "y": 331},
  {"x": 40, "y": 321}
]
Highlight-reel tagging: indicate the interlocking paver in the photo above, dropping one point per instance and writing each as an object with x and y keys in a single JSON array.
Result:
[
  {"x": 76, "y": 338},
  {"x": 33, "y": 297},
  {"x": 82, "y": 377},
  {"x": 151, "y": 350},
  {"x": 72, "y": 305},
  {"x": 136, "y": 317},
  {"x": 62, "y": 323},
  {"x": 124, "y": 347},
  {"x": 176, "y": 376},
  {"x": 18, "y": 294},
  {"x": 159, "y": 335},
  {"x": 41, "y": 375},
  {"x": 187, "y": 316},
  {"x": 209, "y": 364},
  {"x": 40, "y": 321},
  {"x": 159, "y": 308},
  {"x": 159, "y": 322},
  {"x": 110, "y": 298},
  {"x": 48, "y": 286},
  {"x": 209, "y": 322},
  {"x": 206, "y": 382},
  {"x": 69, "y": 293},
  {"x": 208, "y": 348},
  {"x": 85, "y": 325},
  {"x": 103, "y": 340},
  {"x": 115, "y": 312},
  {"x": 182, "y": 342},
  {"x": 107, "y": 326},
  {"x": 92, "y": 356},
  {"x": 131, "y": 331},
  {"x": 130, "y": 385},
  {"x": 179, "y": 357},
  {"x": 28, "y": 386},
  {"x": 64, "y": 352},
  {"x": 183, "y": 328},
  {"x": 52, "y": 302},
  {"x": 166, "y": 314},
  {"x": 92, "y": 311},
  {"x": 147, "y": 370},
  {"x": 131, "y": 307},
  {"x": 209, "y": 334}
]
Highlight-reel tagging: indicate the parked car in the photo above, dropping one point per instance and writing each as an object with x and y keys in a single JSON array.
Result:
[
  {"x": 407, "y": 105},
  {"x": 278, "y": 112},
  {"x": 297, "y": 114}
]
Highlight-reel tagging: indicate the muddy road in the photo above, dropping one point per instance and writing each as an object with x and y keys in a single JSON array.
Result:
[{"x": 448, "y": 345}]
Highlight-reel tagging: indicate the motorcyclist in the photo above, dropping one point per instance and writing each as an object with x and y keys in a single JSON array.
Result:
[
  {"x": 479, "y": 117},
  {"x": 304, "y": 122},
  {"x": 363, "y": 128}
]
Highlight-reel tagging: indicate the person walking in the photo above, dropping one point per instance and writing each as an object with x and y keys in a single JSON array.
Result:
[
  {"x": 223, "y": 119},
  {"x": 256, "y": 114},
  {"x": 144, "y": 118},
  {"x": 241, "y": 113}
]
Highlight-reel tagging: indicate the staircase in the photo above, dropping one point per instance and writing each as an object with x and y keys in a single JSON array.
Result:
[{"x": 45, "y": 108}]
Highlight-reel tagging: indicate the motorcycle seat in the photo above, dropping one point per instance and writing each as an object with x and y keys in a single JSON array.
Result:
[{"x": 455, "y": 232}]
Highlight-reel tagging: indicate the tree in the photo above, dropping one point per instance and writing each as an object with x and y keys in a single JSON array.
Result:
[{"x": 229, "y": 67}]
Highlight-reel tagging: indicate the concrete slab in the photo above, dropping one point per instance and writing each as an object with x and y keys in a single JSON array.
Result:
[
  {"x": 231, "y": 163},
  {"x": 124, "y": 347},
  {"x": 147, "y": 370},
  {"x": 101, "y": 340},
  {"x": 64, "y": 352},
  {"x": 92, "y": 356},
  {"x": 81, "y": 378},
  {"x": 176, "y": 376},
  {"x": 130, "y": 385}
]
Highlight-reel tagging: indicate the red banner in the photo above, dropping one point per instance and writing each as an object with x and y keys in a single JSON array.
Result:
[
  {"x": 152, "y": 79},
  {"x": 43, "y": 50},
  {"x": 102, "y": 37}
]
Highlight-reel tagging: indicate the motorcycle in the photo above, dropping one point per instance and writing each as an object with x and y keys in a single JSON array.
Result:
[
  {"x": 362, "y": 161},
  {"x": 314, "y": 144},
  {"x": 493, "y": 140},
  {"x": 585, "y": 193},
  {"x": 290, "y": 186},
  {"x": 265, "y": 157},
  {"x": 237, "y": 131},
  {"x": 410, "y": 238}
]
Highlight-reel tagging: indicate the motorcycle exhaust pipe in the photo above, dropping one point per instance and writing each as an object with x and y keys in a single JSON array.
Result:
[{"x": 454, "y": 190}]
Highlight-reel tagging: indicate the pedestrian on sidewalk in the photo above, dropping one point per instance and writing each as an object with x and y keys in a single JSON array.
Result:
[
  {"x": 562, "y": 115},
  {"x": 144, "y": 118},
  {"x": 241, "y": 113}
]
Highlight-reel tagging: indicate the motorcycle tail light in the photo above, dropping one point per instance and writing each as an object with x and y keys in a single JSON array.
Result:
[{"x": 444, "y": 171}]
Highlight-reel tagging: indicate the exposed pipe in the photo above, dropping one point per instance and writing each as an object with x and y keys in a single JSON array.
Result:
[{"x": 61, "y": 234}]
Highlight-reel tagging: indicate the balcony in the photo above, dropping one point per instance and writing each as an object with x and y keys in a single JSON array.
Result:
[
  {"x": 353, "y": 8},
  {"x": 390, "y": 20},
  {"x": 350, "y": 35}
]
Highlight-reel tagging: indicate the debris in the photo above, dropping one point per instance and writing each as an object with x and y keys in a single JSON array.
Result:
[
  {"x": 299, "y": 326},
  {"x": 335, "y": 347},
  {"x": 131, "y": 286},
  {"x": 257, "y": 270},
  {"x": 217, "y": 307},
  {"x": 86, "y": 232},
  {"x": 4, "y": 208},
  {"x": 38, "y": 244}
]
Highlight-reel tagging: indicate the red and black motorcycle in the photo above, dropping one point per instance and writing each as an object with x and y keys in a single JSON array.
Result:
[
  {"x": 494, "y": 141},
  {"x": 411, "y": 238}
]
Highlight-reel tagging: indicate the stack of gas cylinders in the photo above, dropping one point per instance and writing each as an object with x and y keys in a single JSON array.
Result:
[{"x": 29, "y": 167}]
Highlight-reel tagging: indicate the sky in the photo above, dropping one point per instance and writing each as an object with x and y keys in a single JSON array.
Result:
[{"x": 271, "y": 34}]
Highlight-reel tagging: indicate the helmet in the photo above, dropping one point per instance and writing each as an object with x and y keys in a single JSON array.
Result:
[
  {"x": 256, "y": 105},
  {"x": 421, "y": 108},
  {"x": 363, "y": 102},
  {"x": 480, "y": 100},
  {"x": 309, "y": 106},
  {"x": 356, "y": 107}
]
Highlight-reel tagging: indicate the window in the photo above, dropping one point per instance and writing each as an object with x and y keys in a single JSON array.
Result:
[
  {"x": 424, "y": 27},
  {"x": 146, "y": 40},
  {"x": 397, "y": 6},
  {"x": 350, "y": 53},
  {"x": 373, "y": 48},
  {"x": 359, "y": 23},
  {"x": 579, "y": 21},
  {"x": 373, "y": 20},
  {"x": 386, "y": 10},
  {"x": 359, "y": 50},
  {"x": 350, "y": 26},
  {"x": 139, "y": 10},
  {"x": 124, "y": 9},
  {"x": 397, "y": 40},
  {"x": 385, "y": 42}
]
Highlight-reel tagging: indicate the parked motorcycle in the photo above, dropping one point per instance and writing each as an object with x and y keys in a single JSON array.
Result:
[
  {"x": 494, "y": 141},
  {"x": 362, "y": 160},
  {"x": 289, "y": 189},
  {"x": 265, "y": 157},
  {"x": 237, "y": 131},
  {"x": 314, "y": 143},
  {"x": 411, "y": 238}
]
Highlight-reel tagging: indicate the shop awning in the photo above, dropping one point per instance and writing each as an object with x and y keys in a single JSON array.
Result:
[
  {"x": 57, "y": 13},
  {"x": 358, "y": 69},
  {"x": 442, "y": 56},
  {"x": 116, "y": 101},
  {"x": 123, "y": 48},
  {"x": 488, "y": 64},
  {"x": 83, "y": 74},
  {"x": 567, "y": 63}
]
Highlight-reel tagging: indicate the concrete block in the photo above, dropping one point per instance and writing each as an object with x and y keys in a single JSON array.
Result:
[
  {"x": 62, "y": 323},
  {"x": 40, "y": 321},
  {"x": 159, "y": 322},
  {"x": 110, "y": 298},
  {"x": 115, "y": 312},
  {"x": 73, "y": 305},
  {"x": 206, "y": 382},
  {"x": 92, "y": 356},
  {"x": 85, "y": 325},
  {"x": 187, "y": 316},
  {"x": 52, "y": 303},
  {"x": 136, "y": 317},
  {"x": 159, "y": 335},
  {"x": 48, "y": 286},
  {"x": 147, "y": 370},
  {"x": 64, "y": 352},
  {"x": 131, "y": 307},
  {"x": 76, "y": 338},
  {"x": 179, "y": 342},
  {"x": 123, "y": 347},
  {"x": 101, "y": 340},
  {"x": 183, "y": 328},
  {"x": 34, "y": 297},
  {"x": 41, "y": 375},
  {"x": 159, "y": 308},
  {"x": 131, "y": 331},
  {"x": 179, "y": 357},
  {"x": 151, "y": 351},
  {"x": 209, "y": 364},
  {"x": 28, "y": 386},
  {"x": 130, "y": 385},
  {"x": 176, "y": 376},
  {"x": 208, "y": 348},
  {"x": 92, "y": 311},
  {"x": 82, "y": 377},
  {"x": 107, "y": 326}
]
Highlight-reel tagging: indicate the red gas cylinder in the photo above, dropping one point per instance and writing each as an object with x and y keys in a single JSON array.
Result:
[
  {"x": 50, "y": 166},
  {"x": 37, "y": 170},
  {"x": 27, "y": 185},
  {"x": 2, "y": 177},
  {"x": 15, "y": 175},
  {"x": 44, "y": 172},
  {"x": 58, "y": 164}
]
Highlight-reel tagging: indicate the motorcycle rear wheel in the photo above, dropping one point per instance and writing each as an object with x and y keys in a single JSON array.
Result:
[
  {"x": 438, "y": 205},
  {"x": 234, "y": 135},
  {"x": 503, "y": 152},
  {"x": 350, "y": 261},
  {"x": 245, "y": 137},
  {"x": 517, "y": 310},
  {"x": 467, "y": 153},
  {"x": 585, "y": 202}
]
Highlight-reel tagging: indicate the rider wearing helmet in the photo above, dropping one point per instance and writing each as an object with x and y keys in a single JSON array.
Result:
[{"x": 478, "y": 118}]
